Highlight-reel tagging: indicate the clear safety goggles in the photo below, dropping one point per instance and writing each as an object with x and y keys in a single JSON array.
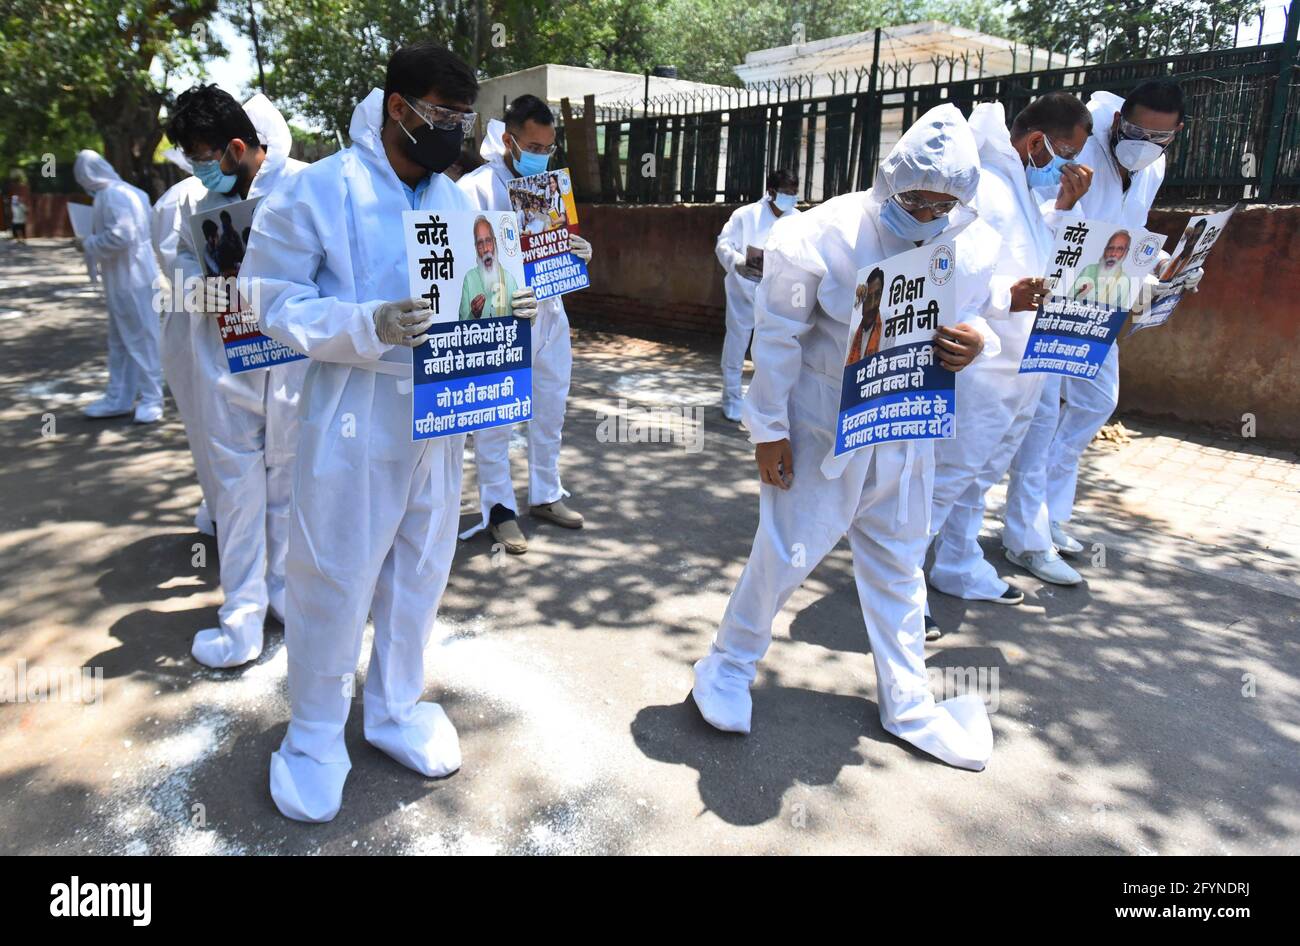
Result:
[
  {"x": 442, "y": 118},
  {"x": 912, "y": 200},
  {"x": 1132, "y": 132},
  {"x": 1059, "y": 151}
]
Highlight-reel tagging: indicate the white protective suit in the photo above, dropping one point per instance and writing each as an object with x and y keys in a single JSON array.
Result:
[
  {"x": 1046, "y": 468},
  {"x": 177, "y": 327},
  {"x": 995, "y": 402},
  {"x": 748, "y": 226},
  {"x": 250, "y": 420},
  {"x": 552, "y": 355},
  {"x": 881, "y": 495},
  {"x": 373, "y": 526},
  {"x": 119, "y": 246}
]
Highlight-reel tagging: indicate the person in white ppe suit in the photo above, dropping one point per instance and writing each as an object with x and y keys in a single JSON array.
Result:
[
  {"x": 879, "y": 495},
  {"x": 519, "y": 146},
  {"x": 250, "y": 419},
  {"x": 1126, "y": 155},
  {"x": 178, "y": 363},
  {"x": 119, "y": 246},
  {"x": 373, "y": 528},
  {"x": 1020, "y": 170},
  {"x": 748, "y": 226}
]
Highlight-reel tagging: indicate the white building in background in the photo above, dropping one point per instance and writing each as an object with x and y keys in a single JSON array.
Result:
[
  {"x": 934, "y": 51},
  {"x": 551, "y": 83}
]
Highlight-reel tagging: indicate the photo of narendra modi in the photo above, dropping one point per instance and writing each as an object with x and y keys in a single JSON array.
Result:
[{"x": 488, "y": 286}]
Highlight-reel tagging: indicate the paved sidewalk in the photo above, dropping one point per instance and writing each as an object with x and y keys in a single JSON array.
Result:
[{"x": 1153, "y": 709}]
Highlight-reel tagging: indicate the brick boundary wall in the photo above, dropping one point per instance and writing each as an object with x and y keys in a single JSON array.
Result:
[{"x": 1231, "y": 349}]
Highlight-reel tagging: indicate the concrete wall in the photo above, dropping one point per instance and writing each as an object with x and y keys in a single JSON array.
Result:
[{"x": 1231, "y": 349}]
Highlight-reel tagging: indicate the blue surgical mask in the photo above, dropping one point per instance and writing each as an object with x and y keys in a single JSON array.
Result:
[
  {"x": 906, "y": 227},
  {"x": 1050, "y": 174},
  {"x": 210, "y": 173},
  {"x": 526, "y": 163},
  {"x": 785, "y": 202}
]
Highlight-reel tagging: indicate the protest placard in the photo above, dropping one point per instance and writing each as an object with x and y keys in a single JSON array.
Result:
[
  {"x": 894, "y": 387},
  {"x": 475, "y": 371},
  {"x": 82, "y": 217},
  {"x": 548, "y": 214},
  {"x": 220, "y": 237},
  {"x": 1095, "y": 278},
  {"x": 1193, "y": 247}
]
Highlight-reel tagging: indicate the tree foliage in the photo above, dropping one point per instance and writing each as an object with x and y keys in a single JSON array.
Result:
[{"x": 72, "y": 71}]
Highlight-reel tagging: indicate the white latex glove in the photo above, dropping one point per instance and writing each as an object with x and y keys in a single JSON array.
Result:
[
  {"x": 523, "y": 304},
  {"x": 1192, "y": 279},
  {"x": 404, "y": 323},
  {"x": 580, "y": 247}
]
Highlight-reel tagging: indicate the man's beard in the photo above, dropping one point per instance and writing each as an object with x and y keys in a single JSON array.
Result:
[
  {"x": 1110, "y": 264},
  {"x": 488, "y": 270}
]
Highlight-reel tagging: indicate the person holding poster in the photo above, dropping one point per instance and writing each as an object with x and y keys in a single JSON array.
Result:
[
  {"x": 878, "y": 494},
  {"x": 1126, "y": 153},
  {"x": 119, "y": 248},
  {"x": 178, "y": 362},
  {"x": 1020, "y": 170},
  {"x": 250, "y": 418},
  {"x": 1181, "y": 274},
  {"x": 488, "y": 288},
  {"x": 748, "y": 226},
  {"x": 373, "y": 527},
  {"x": 521, "y": 146}
]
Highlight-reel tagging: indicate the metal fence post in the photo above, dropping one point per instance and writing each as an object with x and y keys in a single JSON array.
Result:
[{"x": 1281, "y": 94}]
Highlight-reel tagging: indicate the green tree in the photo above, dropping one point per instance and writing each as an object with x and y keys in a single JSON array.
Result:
[
  {"x": 72, "y": 67},
  {"x": 1130, "y": 29}
]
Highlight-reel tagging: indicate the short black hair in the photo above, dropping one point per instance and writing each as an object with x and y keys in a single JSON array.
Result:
[
  {"x": 782, "y": 177},
  {"x": 528, "y": 108},
  {"x": 1159, "y": 95},
  {"x": 876, "y": 275},
  {"x": 1056, "y": 114},
  {"x": 211, "y": 115},
  {"x": 416, "y": 70}
]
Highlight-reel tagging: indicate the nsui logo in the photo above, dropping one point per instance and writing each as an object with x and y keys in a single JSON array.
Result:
[
  {"x": 1148, "y": 250},
  {"x": 78, "y": 899},
  {"x": 941, "y": 265}
]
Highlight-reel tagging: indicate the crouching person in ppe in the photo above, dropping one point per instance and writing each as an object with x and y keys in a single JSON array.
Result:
[
  {"x": 518, "y": 147},
  {"x": 374, "y": 515},
  {"x": 879, "y": 495}
]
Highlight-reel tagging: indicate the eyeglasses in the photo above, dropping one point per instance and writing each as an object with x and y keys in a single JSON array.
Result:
[
  {"x": 442, "y": 118},
  {"x": 1132, "y": 132},
  {"x": 912, "y": 200},
  {"x": 1067, "y": 153},
  {"x": 547, "y": 150},
  {"x": 214, "y": 155}
]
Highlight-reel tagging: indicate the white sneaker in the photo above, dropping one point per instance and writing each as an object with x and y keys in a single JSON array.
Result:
[
  {"x": 1046, "y": 565},
  {"x": 1064, "y": 542},
  {"x": 148, "y": 413},
  {"x": 106, "y": 408}
]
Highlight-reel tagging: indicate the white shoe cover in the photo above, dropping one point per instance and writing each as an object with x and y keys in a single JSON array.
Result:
[
  {"x": 1064, "y": 541},
  {"x": 427, "y": 742},
  {"x": 106, "y": 408},
  {"x": 722, "y": 694},
  {"x": 203, "y": 520},
  {"x": 215, "y": 648},
  {"x": 148, "y": 413},
  {"x": 304, "y": 789},
  {"x": 956, "y": 731},
  {"x": 1049, "y": 566}
]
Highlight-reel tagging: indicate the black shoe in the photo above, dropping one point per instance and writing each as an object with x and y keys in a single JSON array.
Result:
[
  {"x": 1010, "y": 596},
  {"x": 932, "y": 630}
]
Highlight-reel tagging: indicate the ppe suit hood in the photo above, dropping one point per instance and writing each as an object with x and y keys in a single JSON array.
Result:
[
  {"x": 938, "y": 154},
  {"x": 493, "y": 149},
  {"x": 92, "y": 172},
  {"x": 367, "y": 118},
  {"x": 988, "y": 124},
  {"x": 1103, "y": 106},
  {"x": 272, "y": 129}
]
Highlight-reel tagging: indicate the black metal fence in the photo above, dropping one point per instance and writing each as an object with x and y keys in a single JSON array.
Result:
[{"x": 1241, "y": 139}]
